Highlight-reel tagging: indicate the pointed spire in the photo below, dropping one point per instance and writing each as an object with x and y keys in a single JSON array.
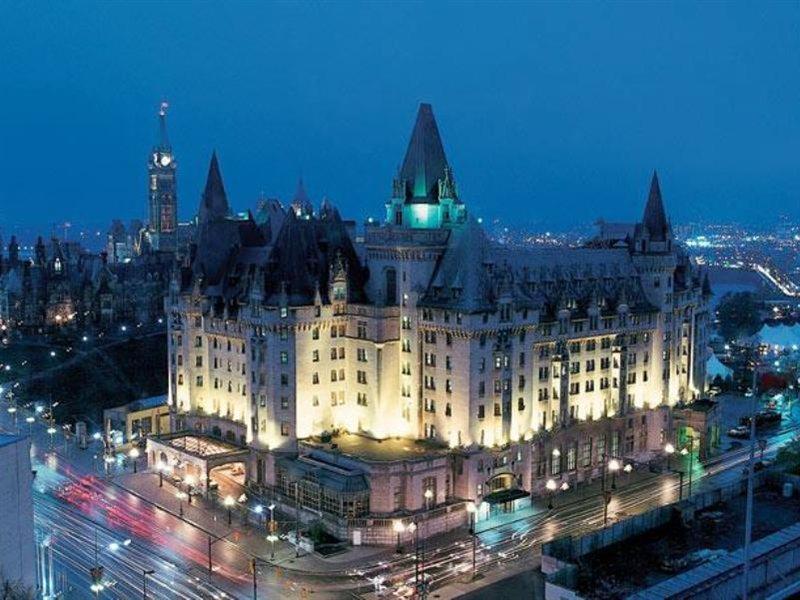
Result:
[
  {"x": 163, "y": 138},
  {"x": 301, "y": 204},
  {"x": 214, "y": 203},
  {"x": 655, "y": 219},
  {"x": 425, "y": 161}
]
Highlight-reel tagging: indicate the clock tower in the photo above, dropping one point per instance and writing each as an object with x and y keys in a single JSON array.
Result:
[{"x": 162, "y": 223}]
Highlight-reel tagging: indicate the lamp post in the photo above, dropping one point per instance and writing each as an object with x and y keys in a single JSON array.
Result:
[
  {"x": 551, "y": 487},
  {"x": 669, "y": 450},
  {"x": 606, "y": 502},
  {"x": 190, "y": 482},
  {"x": 272, "y": 538},
  {"x": 613, "y": 466},
  {"x": 229, "y": 504},
  {"x": 398, "y": 528},
  {"x": 52, "y": 431},
  {"x": 472, "y": 509},
  {"x": 259, "y": 510},
  {"x": 690, "y": 452},
  {"x": 145, "y": 574},
  {"x": 180, "y": 495},
  {"x": 628, "y": 469},
  {"x": 161, "y": 467},
  {"x": 133, "y": 454},
  {"x": 412, "y": 528},
  {"x": 30, "y": 421}
]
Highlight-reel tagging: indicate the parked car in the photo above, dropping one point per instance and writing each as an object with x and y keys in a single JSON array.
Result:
[
  {"x": 742, "y": 431},
  {"x": 763, "y": 418}
]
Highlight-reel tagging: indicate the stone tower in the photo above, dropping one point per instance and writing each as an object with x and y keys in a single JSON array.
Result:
[{"x": 162, "y": 222}]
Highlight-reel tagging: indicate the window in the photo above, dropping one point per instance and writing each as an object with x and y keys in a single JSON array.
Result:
[
  {"x": 361, "y": 354},
  {"x": 481, "y": 411},
  {"x": 284, "y": 402},
  {"x": 497, "y": 412},
  {"x": 284, "y": 429},
  {"x": 199, "y": 381},
  {"x": 361, "y": 331},
  {"x": 521, "y": 404},
  {"x": 315, "y": 333},
  {"x": 198, "y": 361},
  {"x": 361, "y": 398},
  {"x": 391, "y": 287},
  {"x": 284, "y": 357},
  {"x": 315, "y": 356},
  {"x": 361, "y": 377},
  {"x": 315, "y": 378}
]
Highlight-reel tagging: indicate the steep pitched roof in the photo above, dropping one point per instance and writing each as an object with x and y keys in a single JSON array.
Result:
[
  {"x": 163, "y": 138},
  {"x": 425, "y": 161},
  {"x": 214, "y": 202},
  {"x": 655, "y": 218}
]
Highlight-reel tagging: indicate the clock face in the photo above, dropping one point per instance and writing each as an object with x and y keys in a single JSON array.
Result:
[{"x": 165, "y": 160}]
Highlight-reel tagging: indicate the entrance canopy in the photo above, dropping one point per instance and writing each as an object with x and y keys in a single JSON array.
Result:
[{"x": 193, "y": 454}]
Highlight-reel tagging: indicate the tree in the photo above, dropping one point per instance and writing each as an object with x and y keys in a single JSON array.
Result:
[{"x": 738, "y": 315}]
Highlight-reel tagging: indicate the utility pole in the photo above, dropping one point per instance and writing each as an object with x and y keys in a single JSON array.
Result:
[
  {"x": 748, "y": 524},
  {"x": 145, "y": 574}
]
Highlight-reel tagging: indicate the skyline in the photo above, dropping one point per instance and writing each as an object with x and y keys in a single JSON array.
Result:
[{"x": 578, "y": 116}]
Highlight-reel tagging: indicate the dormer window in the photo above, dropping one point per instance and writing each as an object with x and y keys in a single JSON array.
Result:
[{"x": 57, "y": 265}]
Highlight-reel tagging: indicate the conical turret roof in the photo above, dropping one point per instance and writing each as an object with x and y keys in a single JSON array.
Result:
[
  {"x": 655, "y": 218},
  {"x": 214, "y": 203},
  {"x": 425, "y": 161}
]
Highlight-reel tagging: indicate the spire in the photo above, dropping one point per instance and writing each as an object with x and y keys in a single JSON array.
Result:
[
  {"x": 301, "y": 204},
  {"x": 163, "y": 138},
  {"x": 425, "y": 161},
  {"x": 655, "y": 219},
  {"x": 214, "y": 203}
]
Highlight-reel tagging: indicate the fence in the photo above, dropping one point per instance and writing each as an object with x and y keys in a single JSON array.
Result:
[{"x": 571, "y": 548}]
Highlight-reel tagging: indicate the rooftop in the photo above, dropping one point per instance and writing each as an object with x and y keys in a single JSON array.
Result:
[{"x": 373, "y": 450}]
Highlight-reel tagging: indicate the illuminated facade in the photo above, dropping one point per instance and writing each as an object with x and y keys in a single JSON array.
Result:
[{"x": 514, "y": 365}]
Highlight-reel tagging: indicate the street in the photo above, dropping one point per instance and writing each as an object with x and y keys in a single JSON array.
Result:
[{"x": 84, "y": 519}]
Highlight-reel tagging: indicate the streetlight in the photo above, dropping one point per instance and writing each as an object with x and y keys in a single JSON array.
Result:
[
  {"x": 564, "y": 486},
  {"x": 229, "y": 504},
  {"x": 613, "y": 466},
  {"x": 412, "y": 528},
  {"x": 180, "y": 496},
  {"x": 472, "y": 509},
  {"x": 161, "y": 467},
  {"x": 628, "y": 469},
  {"x": 189, "y": 481},
  {"x": 690, "y": 452},
  {"x": 259, "y": 510},
  {"x": 398, "y": 528},
  {"x": 669, "y": 449},
  {"x": 145, "y": 574},
  {"x": 272, "y": 538},
  {"x": 30, "y": 421},
  {"x": 606, "y": 502},
  {"x": 133, "y": 454},
  {"x": 551, "y": 486},
  {"x": 52, "y": 431}
]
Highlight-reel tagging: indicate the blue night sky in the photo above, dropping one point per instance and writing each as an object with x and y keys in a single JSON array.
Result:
[{"x": 553, "y": 114}]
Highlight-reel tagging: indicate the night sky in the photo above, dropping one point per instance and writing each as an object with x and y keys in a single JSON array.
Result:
[{"x": 551, "y": 114}]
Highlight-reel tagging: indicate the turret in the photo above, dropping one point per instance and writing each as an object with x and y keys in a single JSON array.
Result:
[
  {"x": 424, "y": 193},
  {"x": 214, "y": 202}
]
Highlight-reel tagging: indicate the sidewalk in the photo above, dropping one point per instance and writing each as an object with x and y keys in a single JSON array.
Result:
[{"x": 244, "y": 533}]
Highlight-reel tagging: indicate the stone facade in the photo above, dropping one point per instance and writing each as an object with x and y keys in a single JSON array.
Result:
[{"x": 522, "y": 363}]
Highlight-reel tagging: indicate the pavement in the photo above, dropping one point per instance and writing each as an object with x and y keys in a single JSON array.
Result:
[{"x": 247, "y": 530}]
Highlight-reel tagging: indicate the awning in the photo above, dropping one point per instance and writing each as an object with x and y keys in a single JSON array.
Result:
[{"x": 502, "y": 496}]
